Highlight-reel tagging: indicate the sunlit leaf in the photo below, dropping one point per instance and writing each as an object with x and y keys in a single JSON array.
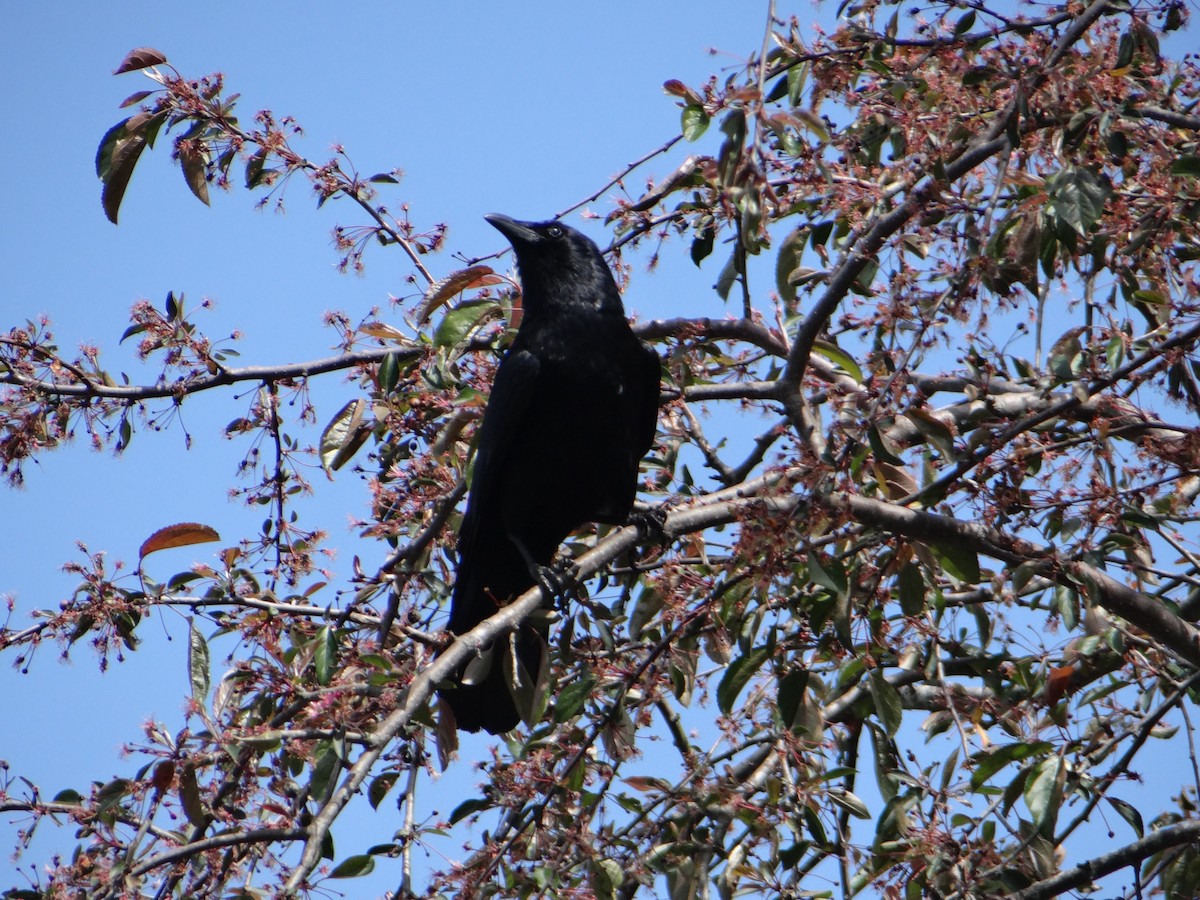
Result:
[
  {"x": 181, "y": 535},
  {"x": 451, "y": 286},
  {"x": 694, "y": 122},
  {"x": 344, "y": 435},
  {"x": 462, "y": 320},
  {"x": 140, "y": 58},
  {"x": 1043, "y": 793},
  {"x": 199, "y": 668}
]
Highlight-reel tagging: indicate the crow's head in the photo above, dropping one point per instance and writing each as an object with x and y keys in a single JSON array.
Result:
[{"x": 559, "y": 266}]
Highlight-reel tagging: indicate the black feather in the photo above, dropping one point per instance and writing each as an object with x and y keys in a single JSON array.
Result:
[{"x": 573, "y": 409}]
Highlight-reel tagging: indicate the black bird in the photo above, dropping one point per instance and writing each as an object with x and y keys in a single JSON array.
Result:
[{"x": 573, "y": 409}]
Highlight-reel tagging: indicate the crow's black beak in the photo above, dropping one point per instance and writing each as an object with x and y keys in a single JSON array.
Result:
[{"x": 516, "y": 232}]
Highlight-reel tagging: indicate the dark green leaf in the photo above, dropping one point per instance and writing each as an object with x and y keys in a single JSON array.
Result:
[
  {"x": 1129, "y": 813},
  {"x": 389, "y": 373},
  {"x": 912, "y": 590},
  {"x": 254, "y": 168},
  {"x": 1077, "y": 197},
  {"x": 702, "y": 245},
  {"x": 888, "y": 707},
  {"x": 831, "y": 575},
  {"x": 468, "y": 807},
  {"x": 791, "y": 695},
  {"x": 379, "y": 787},
  {"x": 354, "y": 867},
  {"x": 736, "y": 677},
  {"x": 572, "y": 697},
  {"x": 960, "y": 561},
  {"x": 1187, "y": 165},
  {"x": 325, "y": 655},
  {"x": 989, "y": 763},
  {"x": 324, "y": 770}
]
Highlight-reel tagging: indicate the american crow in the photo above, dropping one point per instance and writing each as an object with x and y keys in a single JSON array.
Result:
[{"x": 573, "y": 409}]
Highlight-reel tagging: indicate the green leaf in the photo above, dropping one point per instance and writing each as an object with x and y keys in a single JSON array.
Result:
[
  {"x": 989, "y": 763},
  {"x": 702, "y": 245},
  {"x": 1077, "y": 197},
  {"x": 607, "y": 876},
  {"x": 737, "y": 676},
  {"x": 1043, "y": 793},
  {"x": 461, "y": 321},
  {"x": 851, "y": 803},
  {"x": 1187, "y": 166},
  {"x": 198, "y": 663},
  {"x": 344, "y": 434},
  {"x": 324, "y": 769},
  {"x": 728, "y": 276},
  {"x": 694, "y": 122},
  {"x": 254, "y": 168},
  {"x": 964, "y": 24},
  {"x": 792, "y": 687},
  {"x": 468, "y": 807},
  {"x": 572, "y": 697},
  {"x": 959, "y": 561},
  {"x": 389, "y": 373},
  {"x": 354, "y": 867},
  {"x": 797, "y": 75},
  {"x": 840, "y": 358},
  {"x": 1129, "y": 813},
  {"x": 325, "y": 655},
  {"x": 887, "y": 702},
  {"x": 912, "y": 590},
  {"x": 831, "y": 575},
  {"x": 116, "y": 159}
]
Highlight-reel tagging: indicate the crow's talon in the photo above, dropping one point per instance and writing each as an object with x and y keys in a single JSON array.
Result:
[{"x": 651, "y": 524}]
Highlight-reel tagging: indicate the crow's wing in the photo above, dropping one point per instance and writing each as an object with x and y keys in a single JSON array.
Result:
[{"x": 507, "y": 407}]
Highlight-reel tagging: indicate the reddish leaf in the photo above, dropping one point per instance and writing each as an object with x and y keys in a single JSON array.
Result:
[
  {"x": 115, "y": 161},
  {"x": 164, "y": 775},
  {"x": 140, "y": 58},
  {"x": 454, "y": 283},
  {"x": 135, "y": 98},
  {"x": 1058, "y": 682},
  {"x": 180, "y": 535},
  {"x": 195, "y": 170}
]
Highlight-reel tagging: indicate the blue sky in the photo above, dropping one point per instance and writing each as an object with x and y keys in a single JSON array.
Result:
[{"x": 523, "y": 108}]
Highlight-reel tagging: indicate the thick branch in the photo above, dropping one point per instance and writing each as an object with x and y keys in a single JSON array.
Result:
[{"x": 1107, "y": 863}]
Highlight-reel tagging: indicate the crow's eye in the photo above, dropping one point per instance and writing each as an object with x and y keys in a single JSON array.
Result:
[{"x": 555, "y": 232}]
